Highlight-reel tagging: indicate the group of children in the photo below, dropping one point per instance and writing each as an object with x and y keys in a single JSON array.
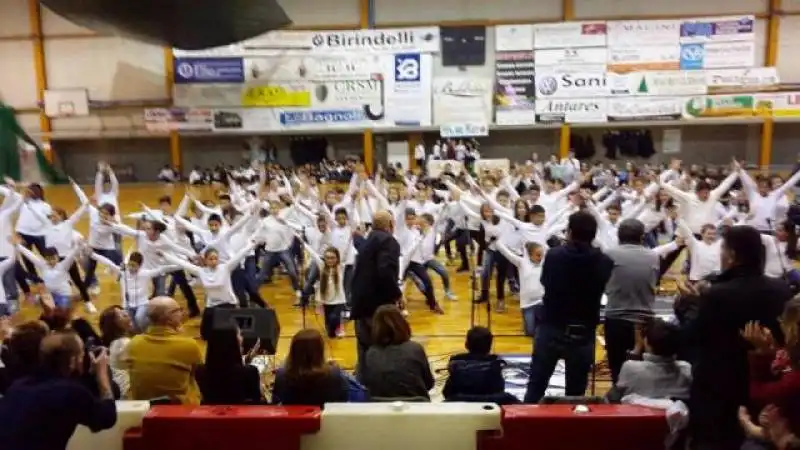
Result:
[{"x": 271, "y": 218}]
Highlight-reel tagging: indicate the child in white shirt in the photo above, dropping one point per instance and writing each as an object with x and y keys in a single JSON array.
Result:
[
  {"x": 54, "y": 272},
  {"x": 531, "y": 291},
  {"x": 331, "y": 293}
]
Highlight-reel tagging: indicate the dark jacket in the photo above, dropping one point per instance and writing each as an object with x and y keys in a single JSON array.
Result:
[
  {"x": 42, "y": 413},
  {"x": 574, "y": 277},
  {"x": 243, "y": 386},
  {"x": 720, "y": 370},
  {"x": 375, "y": 275},
  {"x": 332, "y": 387},
  {"x": 474, "y": 376}
]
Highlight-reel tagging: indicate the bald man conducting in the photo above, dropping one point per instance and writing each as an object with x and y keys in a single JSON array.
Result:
[
  {"x": 374, "y": 279},
  {"x": 162, "y": 360}
]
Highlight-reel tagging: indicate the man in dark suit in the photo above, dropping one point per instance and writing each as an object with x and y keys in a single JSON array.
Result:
[
  {"x": 712, "y": 330},
  {"x": 574, "y": 277},
  {"x": 375, "y": 279}
]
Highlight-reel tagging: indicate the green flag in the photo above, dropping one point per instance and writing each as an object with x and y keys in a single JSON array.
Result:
[{"x": 10, "y": 135}]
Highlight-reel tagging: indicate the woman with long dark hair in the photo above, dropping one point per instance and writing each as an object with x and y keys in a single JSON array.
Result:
[
  {"x": 306, "y": 378},
  {"x": 116, "y": 328},
  {"x": 225, "y": 378}
]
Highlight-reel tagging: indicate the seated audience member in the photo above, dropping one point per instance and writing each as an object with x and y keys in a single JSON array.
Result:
[
  {"x": 658, "y": 375},
  {"x": 162, "y": 362},
  {"x": 774, "y": 381},
  {"x": 396, "y": 366},
  {"x": 773, "y": 432},
  {"x": 116, "y": 327},
  {"x": 42, "y": 411},
  {"x": 225, "y": 378},
  {"x": 478, "y": 374},
  {"x": 19, "y": 352},
  {"x": 306, "y": 378}
]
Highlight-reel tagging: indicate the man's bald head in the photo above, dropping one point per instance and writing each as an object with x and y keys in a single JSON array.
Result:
[
  {"x": 61, "y": 353},
  {"x": 160, "y": 311},
  {"x": 382, "y": 220}
]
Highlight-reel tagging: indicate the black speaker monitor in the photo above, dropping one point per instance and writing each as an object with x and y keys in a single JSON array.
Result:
[{"x": 253, "y": 323}]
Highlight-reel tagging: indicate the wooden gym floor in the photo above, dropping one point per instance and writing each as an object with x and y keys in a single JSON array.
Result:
[{"x": 441, "y": 335}]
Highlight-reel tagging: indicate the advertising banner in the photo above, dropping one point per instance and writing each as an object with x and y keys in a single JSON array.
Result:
[
  {"x": 178, "y": 119},
  {"x": 718, "y": 55},
  {"x": 391, "y": 40},
  {"x": 662, "y": 83},
  {"x": 591, "y": 58},
  {"x": 513, "y": 38},
  {"x": 758, "y": 79},
  {"x": 569, "y": 34},
  {"x": 643, "y": 33},
  {"x": 239, "y": 120},
  {"x": 272, "y": 96},
  {"x": 463, "y": 130},
  {"x": 314, "y": 67},
  {"x": 712, "y": 29},
  {"x": 778, "y": 104},
  {"x": 572, "y": 110},
  {"x": 514, "y": 91},
  {"x": 555, "y": 83},
  {"x": 720, "y": 106},
  {"x": 633, "y": 59},
  {"x": 206, "y": 95},
  {"x": 208, "y": 70},
  {"x": 458, "y": 100},
  {"x": 407, "y": 93},
  {"x": 644, "y": 108}
]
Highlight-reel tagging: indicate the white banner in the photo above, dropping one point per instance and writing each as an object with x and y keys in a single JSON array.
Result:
[
  {"x": 642, "y": 33},
  {"x": 178, "y": 119},
  {"x": 644, "y": 108},
  {"x": 742, "y": 80},
  {"x": 655, "y": 57},
  {"x": 250, "y": 120},
  {"x": 463, "y": 130},
  {"x": 391, "y": 40},
  {"x": 512, "y": 38},
  {"x": 316, "y": 67},
  {"x": 407, "y": 92},
  {"x": 718, "y": 55},
  {"x": 436, "y": 167},
  {"x": 712, "y": 29},
  {"x": 207, "y": 95},
  {"x": 572, "y": 110},
  {"x": 348, "y": 94},
  {"x": 569, "y": 34},
  {"x": 555, "y": 83},
  {"x": 462, "y": 100},
  {"x": 573, "y": 57},
  {"x": 664, "y": 83}
]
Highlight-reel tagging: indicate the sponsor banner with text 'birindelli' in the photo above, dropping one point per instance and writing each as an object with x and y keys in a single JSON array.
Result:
[{"x": 514, "y": 91}]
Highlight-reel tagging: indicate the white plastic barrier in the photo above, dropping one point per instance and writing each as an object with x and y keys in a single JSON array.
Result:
[
  {"x": 129, "y": 415},
  {"x": 403, "y": 426}
]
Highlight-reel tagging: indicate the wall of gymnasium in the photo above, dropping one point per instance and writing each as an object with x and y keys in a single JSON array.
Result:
[{"x": 129, "y": 74}]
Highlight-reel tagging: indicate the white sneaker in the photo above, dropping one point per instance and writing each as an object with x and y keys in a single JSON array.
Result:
[
  {"x": 339, "y": 331},
  {"x": 404, "y": 313},
  {"x": 450, "y": 295},
  {"x": 94, "y": 290},
  {"x": 90, "y": 308}
]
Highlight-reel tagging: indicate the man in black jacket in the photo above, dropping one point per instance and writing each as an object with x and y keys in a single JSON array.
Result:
[
  {"x": 574, "y": 277},
  {"x": 712, "y": 330},
  {"x": 375, "y": 279}
]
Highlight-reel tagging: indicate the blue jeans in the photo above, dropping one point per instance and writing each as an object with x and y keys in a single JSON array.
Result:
[
  {"x": 272, "y": 259},
  {"x": 139, "y": 317},
  {"x": 10, "y": 283},
  {"x": 574, "y": 344},
  {"x": 493, "y": 259},
  {"x": 333, "y": 318},
  {"x": 531, "y": 316},
  {"x": 437, "y": 267},
  {"x": 312, "y": 276}
]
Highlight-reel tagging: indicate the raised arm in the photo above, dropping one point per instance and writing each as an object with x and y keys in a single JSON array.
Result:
[
  {"x": 724, "y": 187},
  {"x": 111, "y": 265},
  {"x": 512, "y": 257},
  {"x": 382, "y": 200},
  {"x": 684, "y": 231},
  {"x": 240, "y": 255},
  {"x": 66, "y": 263},
  {"x": 182, "y": 263},
  {"x": 35, "y": 259},
  {"x": 76, "y": 215}
]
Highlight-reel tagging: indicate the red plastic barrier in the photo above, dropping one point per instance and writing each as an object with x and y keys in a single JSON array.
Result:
[
  {"x": 558, "y": 427},
  {"x": 214, "y": 428}
]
